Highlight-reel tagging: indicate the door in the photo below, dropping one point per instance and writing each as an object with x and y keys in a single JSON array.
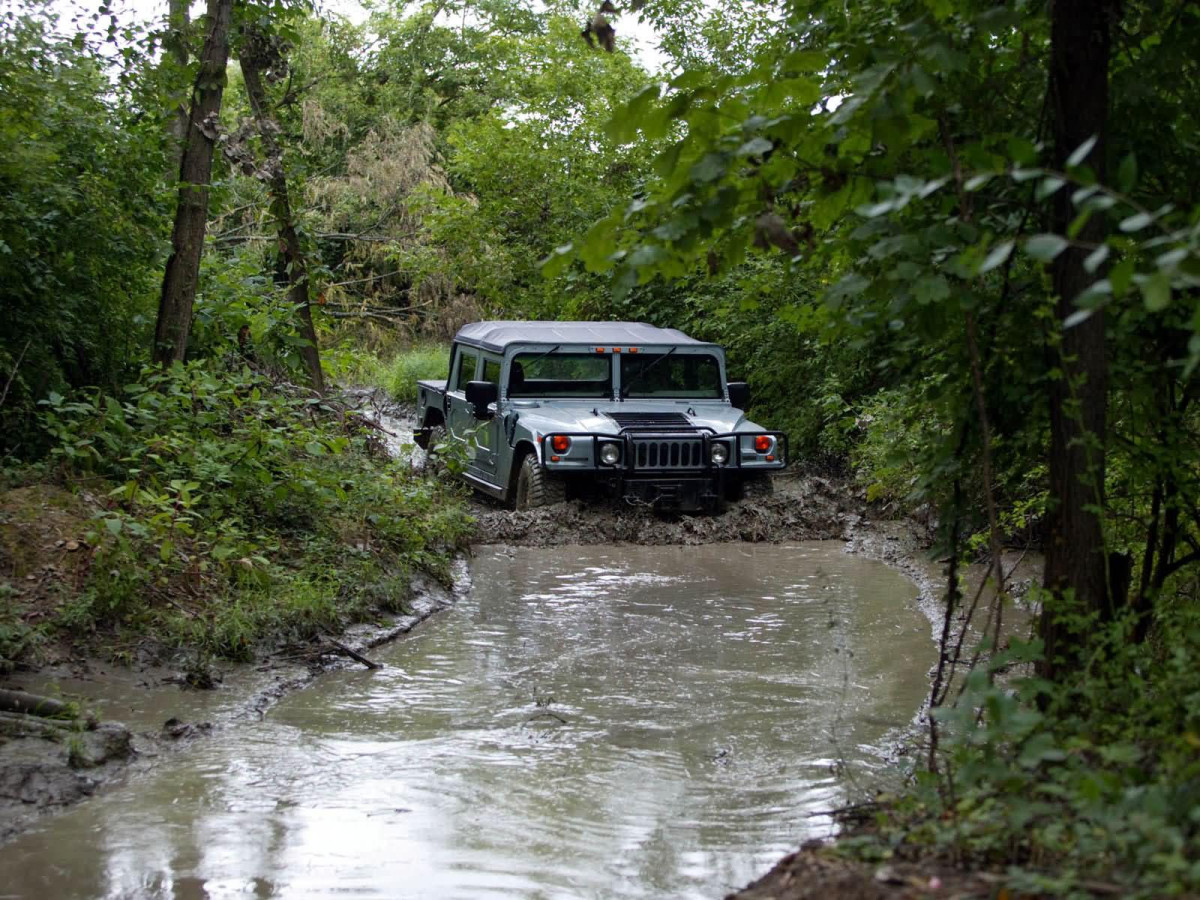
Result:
[
  {"x": 460, "y": 419},
  {"x": 487, "y": 431}
]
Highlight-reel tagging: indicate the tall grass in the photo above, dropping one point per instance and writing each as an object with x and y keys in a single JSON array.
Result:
[
  {"x": 396, "y": 372},
  {"x": 399, "y": 376}
]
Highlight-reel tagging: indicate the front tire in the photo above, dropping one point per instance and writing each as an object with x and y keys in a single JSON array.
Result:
[{"x": 536, "y": 487}]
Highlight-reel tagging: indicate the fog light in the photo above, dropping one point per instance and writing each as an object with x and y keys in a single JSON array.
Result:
[
  {"x": 609, "y": 454},
  {"x": 762, "y": 443},
  {"x": 561, "y": 443},
  {"x": 719, "y": 454}
]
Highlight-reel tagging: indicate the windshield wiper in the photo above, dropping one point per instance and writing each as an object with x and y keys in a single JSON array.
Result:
[
  {"x": 543, "y": 355},
  {"x": 626, "y": 388}
]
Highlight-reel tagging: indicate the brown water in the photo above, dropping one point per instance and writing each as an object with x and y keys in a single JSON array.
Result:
[{"x": 587, "y": 722}]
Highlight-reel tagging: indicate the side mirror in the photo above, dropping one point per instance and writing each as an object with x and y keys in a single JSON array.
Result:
[
  {"x": 480, "y": 394},
  {"x": 739, "y": 394}
]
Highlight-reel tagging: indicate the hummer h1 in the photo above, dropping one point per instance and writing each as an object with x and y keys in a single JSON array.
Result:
[{"x": 644, "y": 413}]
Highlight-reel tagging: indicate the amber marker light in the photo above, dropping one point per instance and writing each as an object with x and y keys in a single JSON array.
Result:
[
  {"x": 616, "y": 349},
  {"x": 762, "y": 443},
  {"x": 599, "y": 349},
  {"x": 770, "y": 457},
  {"x": 561, "y": 443},
  {"x": 554, "y": 459},
  {"x": 633, "y": 349}
]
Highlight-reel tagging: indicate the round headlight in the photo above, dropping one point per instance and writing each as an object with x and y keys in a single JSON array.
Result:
[
  {"x": 609, "y": 454},
  {"x": 719, "y": 454}
]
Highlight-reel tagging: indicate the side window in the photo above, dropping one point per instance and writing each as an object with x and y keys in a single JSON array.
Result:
[
  {"x": 491, "y": 370},
  {"x": 465, "y": 370}
]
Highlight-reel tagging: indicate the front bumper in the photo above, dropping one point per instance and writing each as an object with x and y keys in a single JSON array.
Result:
[{"x": 669, "y": 469}]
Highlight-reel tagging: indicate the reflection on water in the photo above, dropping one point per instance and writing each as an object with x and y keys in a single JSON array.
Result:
[{"x": 588, "y": 722}]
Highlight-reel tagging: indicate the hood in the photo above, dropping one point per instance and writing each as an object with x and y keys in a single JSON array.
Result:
[{"x": 606, "y": 417}]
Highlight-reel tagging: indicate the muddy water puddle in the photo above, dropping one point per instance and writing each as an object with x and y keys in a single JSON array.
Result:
[{"x": 586, "y": 722}]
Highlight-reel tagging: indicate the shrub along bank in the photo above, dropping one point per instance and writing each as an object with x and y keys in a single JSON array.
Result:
[{"x": 213, "y": 511}]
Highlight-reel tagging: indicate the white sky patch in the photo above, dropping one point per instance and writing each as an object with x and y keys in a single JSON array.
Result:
[{"x": 638, "y": 39}]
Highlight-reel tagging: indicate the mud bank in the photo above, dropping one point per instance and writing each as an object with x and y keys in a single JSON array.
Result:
[
  {"x": 802, "y": 507},
  {"x": 47, "y": 766}
]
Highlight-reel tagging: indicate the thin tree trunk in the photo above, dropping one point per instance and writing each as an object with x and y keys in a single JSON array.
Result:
[
  {"x": 177, "y": 46},
  {"x": 1075, "y": 555},
  {"x": 195, "y": 175},
  {"x": 292, "y": 255}
]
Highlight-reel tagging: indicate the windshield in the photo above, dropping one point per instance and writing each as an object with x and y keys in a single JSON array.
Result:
[
  {"x": 669, "y": 374},
  {"x": 582, "y": 375}
]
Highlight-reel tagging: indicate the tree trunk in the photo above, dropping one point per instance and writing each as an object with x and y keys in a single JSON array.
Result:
[
  {"x": 177, "y": 47},
  {"x": 195, "y": 174},
  {"x": 291, "y": 253},
  {"x": 1076, "y": 564}
]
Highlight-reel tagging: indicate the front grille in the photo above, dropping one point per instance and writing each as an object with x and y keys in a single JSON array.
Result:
[
  {"x": 668, "y": 453},
  {"x": 657, "y": 420}
]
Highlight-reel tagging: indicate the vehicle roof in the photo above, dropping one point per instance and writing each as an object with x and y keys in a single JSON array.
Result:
[{"x": 496, "y": 336}]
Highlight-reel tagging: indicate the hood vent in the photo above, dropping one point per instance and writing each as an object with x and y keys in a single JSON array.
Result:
[{"x": 652, "y": 421}]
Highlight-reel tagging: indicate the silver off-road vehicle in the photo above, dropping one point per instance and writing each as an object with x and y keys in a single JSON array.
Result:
[{"x": 637, "y": 411}]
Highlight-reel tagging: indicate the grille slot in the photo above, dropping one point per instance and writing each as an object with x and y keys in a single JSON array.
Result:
[
  {"x": 657, "y": 420},
  {"x": 668, "y": 453}
]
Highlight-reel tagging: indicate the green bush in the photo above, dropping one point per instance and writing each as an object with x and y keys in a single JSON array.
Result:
[
  {"x": 238, "y": 512},
  {"x": 1096, "y": 781},
  {"x": 421, "y": 361}
]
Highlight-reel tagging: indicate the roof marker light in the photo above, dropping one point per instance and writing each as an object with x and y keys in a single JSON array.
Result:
[{"x": 616, "y": 349}]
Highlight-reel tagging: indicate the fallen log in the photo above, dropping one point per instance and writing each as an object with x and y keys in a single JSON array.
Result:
[{"x": 37, "y": 705}]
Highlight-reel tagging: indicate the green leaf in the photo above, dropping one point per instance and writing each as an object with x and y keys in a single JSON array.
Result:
[
  {"x": 1022, "y": 151},
  {"x": 1081, "y": 152},
  {"x": 755, "y": 147},
  {"x": 1096, "y": 258},
  {"x": 1079, "y": 317},
  {"x": 805, "y": 61},
  {"x": 315, "y": 448},
  {"x": 558, "y": 260},
  {"x": 1127, "y": 173},
  {"x": 1045, "y": 247},
  {"x": 999, "y": 255},
  {"x": 1050, "y": 185},
  {"x": 1121, "y": 276},
  {"x": 931, "y": 289},
  {"x": 710, "y": 168},
  {"x": 1136, "y": 222},
  {"x": 1156, "y": 292}
]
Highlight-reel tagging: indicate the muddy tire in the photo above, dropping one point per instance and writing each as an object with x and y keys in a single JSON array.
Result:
[
  {"x": 536, "y": 487},
  {"x": 437, "y": 435}
]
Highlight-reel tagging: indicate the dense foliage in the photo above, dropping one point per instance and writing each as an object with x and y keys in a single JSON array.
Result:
[{"x": 874, "y": 206}]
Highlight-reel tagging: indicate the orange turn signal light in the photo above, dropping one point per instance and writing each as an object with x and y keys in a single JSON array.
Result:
[
  {"x": 762, "y": 443},
  {"x": 770, "y": 457},
  {"x": 561, "y": 443},
  {"x": 554, "y": 459}
]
